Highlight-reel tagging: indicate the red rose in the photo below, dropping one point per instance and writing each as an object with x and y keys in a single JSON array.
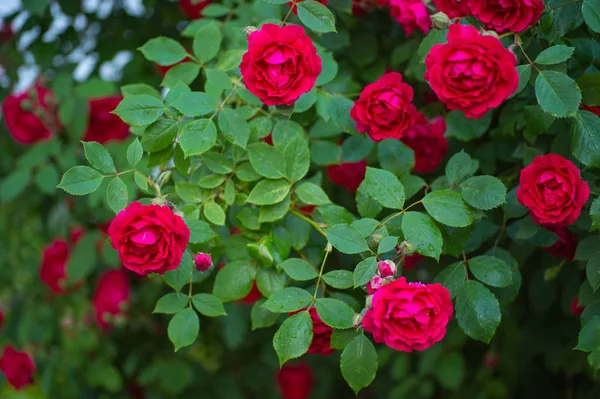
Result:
[
  {"x": 361, "y": 7},
  {"x": 295, "y": 7},
  {"x": 281, "y": 64},
  {"x": 1, "y": 319},
  {"x": 22, "y": 115},
  {"x": 410, "y": 262},
  {"x": 162, "y": 70},
  {"x": 18, "y": 368},
  {"x": 253, "y": 296},
  {"x": 307, "y": 209},
  {"x": 566, "y": 244},
  {"x": 55, "y": 257},
  {"x": 552, "y": 188},
  {"x": 374, "y": 284},
  {"x": 149, "y": 238},
  {"x": 506, "y": 16},
  {"x": 6, "y": 33},
  {"x": 409, "y": 316},
  {"x": 111, "y": 294},
  {"x": 384, "y": 109},
  {"x": 411, "y": 14},
  {"x": 576, "y": 310},
  {"x": 202, "y": 261},
  {"x": 453, "y": 8},
  {"x": 191, "y": 10},
  {"x": 348, "y": 174},
  {"x": 104, "y": 126},
  {"x": 595, "y": 109},
  {"x": 321, "y": 340},
  {"x": 471, "y": 73},
  {"x": 427, "y": 140},
  {"x": 295, "y": 381},
  {"x": 267, "y": 139}
]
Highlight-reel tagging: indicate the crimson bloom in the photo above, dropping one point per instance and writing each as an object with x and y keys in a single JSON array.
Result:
[
  {"x": 103, "y": 126},
  {"x": 110, "y": 296},
  {"x": 295, "y": 381},
  {"x": 426, "y": 138},
  {"x": 23, "y": 115},
  {"x": 348, "y": 174},
  {"x": 18, "y": 368}
]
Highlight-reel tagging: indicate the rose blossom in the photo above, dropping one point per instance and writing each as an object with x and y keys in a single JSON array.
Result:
[
  {"x": 552, "y": 188},
  {"x": 576, "y": 310},
  {"x": 18, "y": 368},
  {"x": 506, "y": 15},
  {"x": 410, "y": 262},
  {"x": 411, "y": 14},
  {"x": 295, "y": 381},
  {"x": 453, "y": 8},
  {"x": 348, "y": 174},
  {"x": 374, "y": 284},
  {"x": 566, "y": 244},
  {"x": 593, "y": 109},
  {"x": 22, "y": 112},
  {"x": 149, "y": 238},
  {"x": 409, "y": 316},
  {"x": 386, "y": 268},
  {"x": 55, "y": 256},
  {"x": 281, "y": 64},
  {"x": 471, "y": 73},
  {"x": 110, "y": 296},
  {"x": 426, "y": 138},
  {"x": 202, "y": 261},
  {"x": 103, "y": 126},
  {"x": 191, "y": 10},
  {"x": 321, "y": 340},
  {"x": 253, "y": 296},
  {"x": 384, "y": 109}
]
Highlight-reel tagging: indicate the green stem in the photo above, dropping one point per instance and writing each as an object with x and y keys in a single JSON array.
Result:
[
  {"x": 309, "y": 221},
  {"x": 397, "y": 214},
  {"x": 328, "y": 250}
]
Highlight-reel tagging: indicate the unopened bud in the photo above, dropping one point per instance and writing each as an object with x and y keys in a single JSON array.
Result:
[
  {"x": 374, "y": 284},
  {"x": 405, "y": 248},
  {"x": 158, "y": 201},
  {"x": 249, "y": 29},
  {"x": 203, "y": 262},
  {"x": 357, "y": 320},
  {"x": 375, "y": 239},
  {"x": 386, "y": 268},
  {"x": 440, "y": 20},
  {"x": 490, "y": 33},
  {"x": 369, "y": 301}
]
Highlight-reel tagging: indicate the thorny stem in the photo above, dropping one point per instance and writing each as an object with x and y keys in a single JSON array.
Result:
[{"x": 309, "y": 221}]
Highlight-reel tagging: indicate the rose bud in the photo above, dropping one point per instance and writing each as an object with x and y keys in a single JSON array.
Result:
[
  {"x": 203, "y": 262},
  {"x": 357, "y": 320},
  {"x": 576, "y": 310},
  {"x": 440, "y": 20},
  {"x": 386, "y": 268},
  {"x": 375, "y": 283},
  {"x": 405, "y": 248}
]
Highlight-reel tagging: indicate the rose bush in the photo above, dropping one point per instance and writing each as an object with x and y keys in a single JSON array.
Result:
[{"x": 399, "y": 199}]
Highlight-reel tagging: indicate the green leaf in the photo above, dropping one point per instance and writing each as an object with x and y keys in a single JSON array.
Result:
[
  {"x": 421, "y": 231},
  {"x": 234, "y": 281},
  {"x": 466, "y": 129},
  {"x": 139, "y": 88},
  {"x": 316, "y": 16},
  {"x": 140, "y": 110},
  {"x": 298, "y": 269},
  {"x": 585, "y": 142},
  {"x": 117, "y": 195},
  {"x": 589, "y": 84},
  {"x": 159, "y": 135},
  {"x": 135, "y": 152},
  {"x": 82, "y": 258},
  {"x": 14, "y": 183},
  {"x": 491, "y": 271},
  {"x": 197, "y": 137},
  {"x": 483, "y": 192},
  {"x": 432, "y": 38},
  {"x": 340, "y": 279},
  {"x": 268, "y": 161},
  {"x": 356, "y": 148},
  {"x": 36, "y": 7},
  {"x": 447, "y": 207},
  {"x": 592, "y": 271},
  {"x": 395, "y": 156},
  {"x": 171, "y": 303},
  {"x": 272, "y": 213},
  {"x": 261, "y": 317},
  {"x": 194, "y": 103},
  {"x": 189, "y": 192},
  {"x": 358, "y": 363},
  {"x": 589, "y": 336},
  {"x": 185, "y": 73},
  {"x": 288, "y": 300},
  {"x": 554, "y": 55},
  {"x": 346, "y": 239},
  {"x": 80, "y": 180},
  {"x": 387, "y": 244},
  {"x": 339, "y": 110},
  {"x": 215, "y": 10},
  {"x": 209, "y": 305},
  {"x": 453, "y": 277},
  {"x": 364, "y": 271},
  {"x": 269, "y": 281},
  {"x": 335, "y": 313},
  {"x": 524, "y": 76},
  {"x": 46, "y": 179},
  {"x": 218, "y": 79},
  {"x": 163, "y": 51},
  {"x": 384, "y": 187},
  {"x": 477, "y": 311},
  {"x": 217, "y": 162},
  {"x": 268, "y": 192},
  {"x": 458, "y": 168},
  {"x": 181, "y": 276},
  {"x": 450, "y": 371},
  {"x": 234, "y": 127},
  {"x": 294, "y": 337},
  {"x": 329, "y": 69},
  {"x": 207, "y": 42},
  {"x": 183, "y": 328},
  {"x": 557, "y": 94},
  {"x": 311, "y": 194},
  {"x": 214, "y": 213},
  {"x": 591, "y": 14},
  {"x": 595, "y": 214},
  {"x": 98, "y": 156},
  {"x": 230, "y": 59}
]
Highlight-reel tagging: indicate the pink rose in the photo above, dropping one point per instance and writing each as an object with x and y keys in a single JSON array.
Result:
[
  {"x": 386, "y": 268},
  {"x": 348, "y": 174},
  {"x": 409, "y": 316},
  {"x": 18, "y": 368},
  {"x": 55, "y": 257},
  {"x": 103, "y": 126},
  {"x": 411, "y": 14},
  {"x": 27, "y": 115},
  {"x": 426, "y": 138},
  {"x": 202, "y": 261},
  {"x": 281, "y": 64},
  {"x": 112, "y": 293},
  {"x": 374, "y": 284},
  {"x": 453, "y": 8}
]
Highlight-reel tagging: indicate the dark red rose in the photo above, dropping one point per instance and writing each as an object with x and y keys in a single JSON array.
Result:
[
  {"x": 348, "y": 174},
  {"x": 576, "y": 310},
  {"x": 149, "y": 238},
  {"x": 253, "y": 296},
  {"x": 295, "y": 7},
  {"x": 295, "y": 381},
  {"x": 508, "y": 15},
  {"x": 267, "y": 139},
  {"x": 426, "y": 138},
  {"x": 191, "y": 10},
  {"x": 235, "y": 230},
  {"x": 471, "y": 73},
  {"x": 553, "y": 190},
  {"x": 410, "y": 262},
  {"x": 453, "y": 8},
  {"x": 321, "y": 341},
  {"x": 307, "y": 210},
  {"x": 18, "y": 368},
  {"x": 595, "y": 109},
  {"x": 6, "y": 33},
  {"x": 111, "y": 296},
  {"x": 411, "y": 14},
  {"x": 281, "y": 64},
  {"x": 384, "y": 109},
  {"x": 54, "y": 264},
  {"x": 104, "y": 126},
  {"x": 409, "y": 316},
  {"x": 202, "y": 261},
  {"x": 23, "y": 114},
  {"x": 566, "y": 244}
]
